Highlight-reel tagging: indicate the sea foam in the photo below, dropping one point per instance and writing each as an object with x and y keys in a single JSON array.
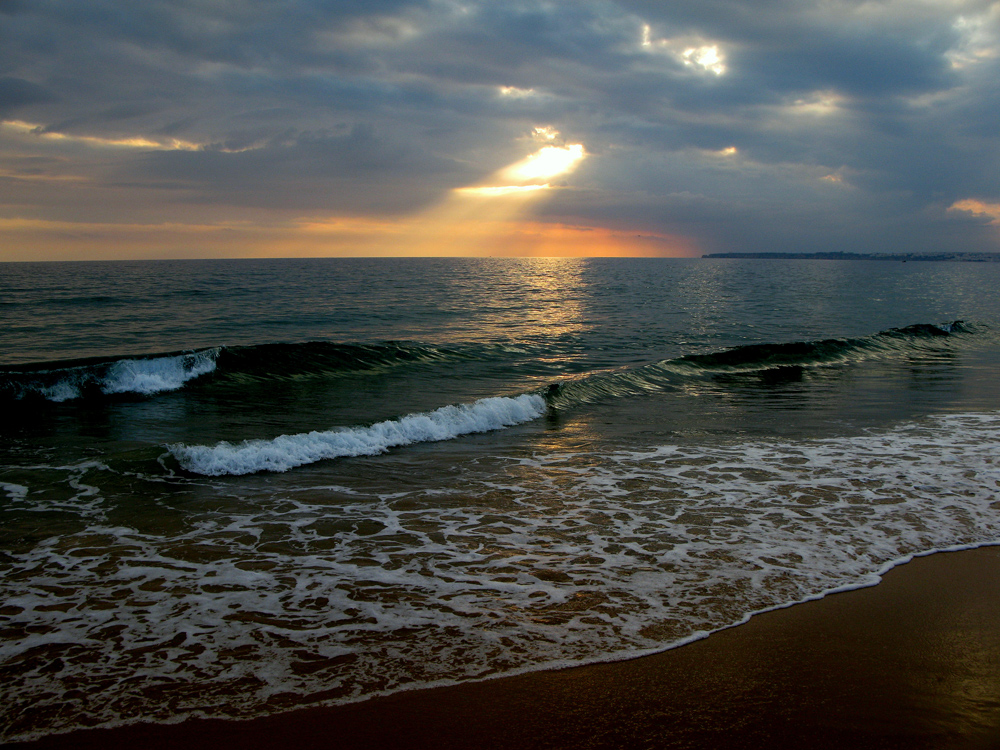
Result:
[
  {"x": 508, "y": 561},
  {"x": 288, "y": 451},
  {"x": 144, "y": 376},
  {"x": 154, "y": 375}
]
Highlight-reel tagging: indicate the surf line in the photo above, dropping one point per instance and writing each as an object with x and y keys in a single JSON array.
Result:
[{"x": 288, "y": 451}]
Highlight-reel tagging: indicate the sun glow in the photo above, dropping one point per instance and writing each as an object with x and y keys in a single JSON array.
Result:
[
  {"x": 707, "y": 58},
  {"x": 693, "y": 52},
  {"x": 516, "y": 93},
  {"x": 549, "y": 162},
  {"x": 500, "y": 190},
  {"x": 493, "y": 218},
  {"x": 485, "y": 219},
  {"x": 530, "y": 176}
]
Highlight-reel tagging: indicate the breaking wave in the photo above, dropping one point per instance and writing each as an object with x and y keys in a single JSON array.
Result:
[
  {"x": 229, "y": 366},
  {"x": 141, "y": 375},
  {"x": 288, "y": 451}
]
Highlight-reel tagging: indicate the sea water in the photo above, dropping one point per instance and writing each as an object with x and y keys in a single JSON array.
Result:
[{"x": 231, "y": 488}]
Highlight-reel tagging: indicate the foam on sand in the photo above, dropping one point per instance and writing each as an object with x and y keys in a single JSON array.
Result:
[{"x": 503, "y": 562}]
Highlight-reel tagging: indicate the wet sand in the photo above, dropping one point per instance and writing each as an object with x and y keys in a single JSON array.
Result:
[{"x": 911, "y": 663}]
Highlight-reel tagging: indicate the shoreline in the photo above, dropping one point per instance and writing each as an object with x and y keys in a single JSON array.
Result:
[{"x": 911, "y": 662}]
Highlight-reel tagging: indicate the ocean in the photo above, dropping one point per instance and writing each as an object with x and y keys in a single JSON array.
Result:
[{"x": 235, "y": 488}]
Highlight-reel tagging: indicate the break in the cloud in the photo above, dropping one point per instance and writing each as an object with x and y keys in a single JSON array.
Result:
[{"x": 312, "y": 127}]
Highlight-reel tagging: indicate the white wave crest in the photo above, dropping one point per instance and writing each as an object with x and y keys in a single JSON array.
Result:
[
  {"x": 145, "y": 376},
  {"x": 288, "y": 451},
  {"x": 64, "y": 390},
  {"x": 160, "y": 374}
]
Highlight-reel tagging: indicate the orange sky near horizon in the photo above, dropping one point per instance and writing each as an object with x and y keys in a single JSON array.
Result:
[
  {"x": 491, "y": 218},
  {"x": 322, "y": 237}
]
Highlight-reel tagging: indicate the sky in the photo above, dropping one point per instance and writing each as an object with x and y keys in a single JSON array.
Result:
[{"x": 268, "y": 128}]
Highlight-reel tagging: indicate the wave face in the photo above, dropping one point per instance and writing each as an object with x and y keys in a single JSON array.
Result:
[
  {"x": 230, "y": 366},
  {"x": 827, "y": 351},
  {"x": 311, "y": 359},
  {"x": 288, "y": 451},
  {"x": 296, "y": 362},
  {"x": 777, "y": 361},
  {"x": 141, "y": 375}
]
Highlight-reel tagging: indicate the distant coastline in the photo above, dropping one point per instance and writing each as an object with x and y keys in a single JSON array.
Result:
[{"x": 961, "y": 257}]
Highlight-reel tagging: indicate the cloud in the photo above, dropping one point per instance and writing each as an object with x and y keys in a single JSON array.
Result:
[
  {"x": 977, "y": 208},
  {"x": 16, "y": 92},
  {"x": 814, "y": 125}
]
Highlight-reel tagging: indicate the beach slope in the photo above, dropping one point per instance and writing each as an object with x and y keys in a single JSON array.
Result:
[{"x": 911, "y": 663}]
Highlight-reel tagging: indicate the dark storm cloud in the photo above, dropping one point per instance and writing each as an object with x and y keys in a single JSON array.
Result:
[
  {"x": 853, "y": 122},
  {"x": 16, "y": 92},
  {"x": 864, "y": 65},
  {"x": 302, "y": 170}
]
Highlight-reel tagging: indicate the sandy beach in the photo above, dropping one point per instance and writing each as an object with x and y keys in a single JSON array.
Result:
[{"x": 911, "y": 663}]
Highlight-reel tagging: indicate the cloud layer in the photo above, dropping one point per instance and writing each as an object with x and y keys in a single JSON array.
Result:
[{"x": 709, "y": 126}]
